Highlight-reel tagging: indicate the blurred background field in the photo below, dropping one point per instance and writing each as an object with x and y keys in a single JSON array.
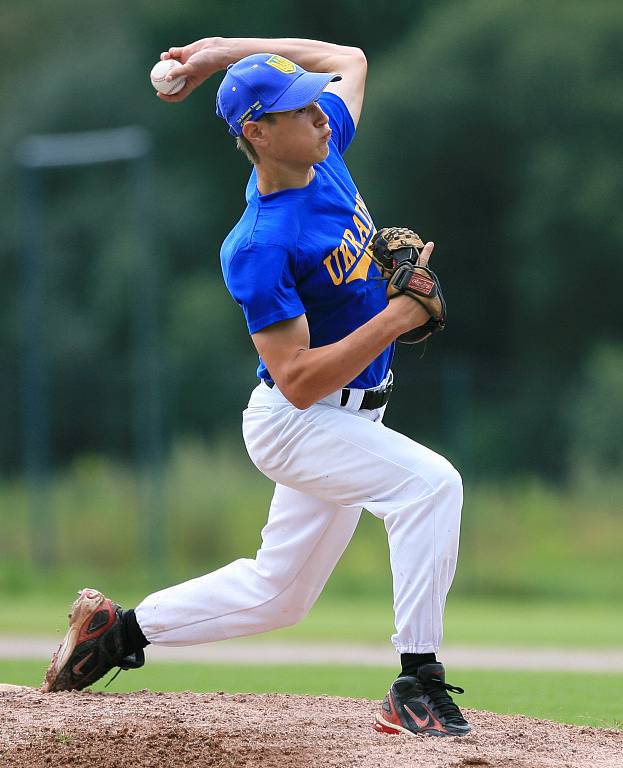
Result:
[
  {"x": 492, "y": 128},
  {"x": 539, "y": 564}
]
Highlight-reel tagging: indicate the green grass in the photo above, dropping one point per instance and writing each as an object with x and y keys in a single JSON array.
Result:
[
  {"x": 469, "y": 622},
  {"x": 566, "y": 697}
]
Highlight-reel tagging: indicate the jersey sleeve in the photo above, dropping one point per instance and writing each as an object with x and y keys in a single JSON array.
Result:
[
  {"x": 340, "y": 120},
  {"x": 261, "y": 280}
]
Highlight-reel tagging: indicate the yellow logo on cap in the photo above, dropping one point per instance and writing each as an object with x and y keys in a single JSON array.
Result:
[{"x": 283, "y": 65}]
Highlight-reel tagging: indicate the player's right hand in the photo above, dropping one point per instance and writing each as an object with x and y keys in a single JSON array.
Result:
[{"x": 197, "y": 62}]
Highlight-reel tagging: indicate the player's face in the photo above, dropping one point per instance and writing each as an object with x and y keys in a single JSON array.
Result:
[{"x": 299, "y": 137}]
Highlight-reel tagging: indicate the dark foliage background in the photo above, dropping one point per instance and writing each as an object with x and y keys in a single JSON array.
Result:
[{"x": 492, "y": 128}]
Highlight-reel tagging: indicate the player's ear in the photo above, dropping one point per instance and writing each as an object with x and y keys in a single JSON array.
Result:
[{"x": 254, "y": 133}]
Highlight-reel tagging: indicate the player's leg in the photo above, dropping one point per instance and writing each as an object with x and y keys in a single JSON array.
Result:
[
  {"x": 351, "y": 458},
  {"x": 348, "y": 458},
  {"x": 301, "y": 543}
]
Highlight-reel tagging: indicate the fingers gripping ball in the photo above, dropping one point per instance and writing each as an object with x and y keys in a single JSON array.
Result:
[
  {"x": 423, "y": 286},
  {"x": 391, "y": 246},
  {"x": 158, "y": 74}
]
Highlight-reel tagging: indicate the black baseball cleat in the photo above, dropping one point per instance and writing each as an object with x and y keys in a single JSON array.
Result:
[
  {"x": 422, "y": 704},
  {"x": 94, "y": 644}
]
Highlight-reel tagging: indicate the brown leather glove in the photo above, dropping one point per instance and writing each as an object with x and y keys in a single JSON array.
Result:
[
  {"x": 395, "y": 250},
  {"x": 392, "y": 246},
  {"x": 422, "y": 285}
]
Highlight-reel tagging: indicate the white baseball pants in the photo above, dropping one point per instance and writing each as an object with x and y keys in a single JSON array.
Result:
[{"x": 328, "y": 462}]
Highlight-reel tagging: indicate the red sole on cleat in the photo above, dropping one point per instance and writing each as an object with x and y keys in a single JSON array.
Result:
[
  {"x": 380, "y": 728},
  {"x": 87, "y": 603}
]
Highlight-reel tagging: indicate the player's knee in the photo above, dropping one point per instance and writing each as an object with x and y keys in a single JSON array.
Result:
[
  {"x": 451, "y": 496},
  {"x": 450, "y": 489},
  {"x": 452, "y": 482},
  {"x": 292, "y": 615},
  {"x": 299, "y": 606},
  {"x": 444, "y": 486},
  {"x": 442, "y": 477},
  {"x": 264, "y": 459}
]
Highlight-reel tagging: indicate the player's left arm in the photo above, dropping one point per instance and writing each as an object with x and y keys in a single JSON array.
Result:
[{"x": 203, "y": 58}]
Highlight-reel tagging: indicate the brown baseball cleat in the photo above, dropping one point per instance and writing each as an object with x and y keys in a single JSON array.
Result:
[
  {"x": 94, "y": 644},
  {"x": 422, "y": 705}
]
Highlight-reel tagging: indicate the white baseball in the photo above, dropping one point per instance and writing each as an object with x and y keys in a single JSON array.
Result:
[{"x": 160, "y": 71}]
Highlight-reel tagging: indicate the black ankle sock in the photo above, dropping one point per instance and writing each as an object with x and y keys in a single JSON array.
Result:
[
  {"x": 412, "y": 661},
  {"x": 134, "y": 635}
]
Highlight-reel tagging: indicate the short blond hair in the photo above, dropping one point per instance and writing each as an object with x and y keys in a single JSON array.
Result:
[{"x": 245, "y": 146}]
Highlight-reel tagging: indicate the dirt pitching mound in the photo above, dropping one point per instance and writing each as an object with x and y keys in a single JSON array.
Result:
[{"x": 270, "y": 731}]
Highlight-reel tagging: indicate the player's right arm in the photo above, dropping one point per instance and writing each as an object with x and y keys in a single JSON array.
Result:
[
  {"x": 305, "y": 375},
  {"x": 204, "y": 58}
]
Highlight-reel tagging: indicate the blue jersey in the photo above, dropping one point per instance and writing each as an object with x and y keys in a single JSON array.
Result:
[{"x": 307, "y": 251}]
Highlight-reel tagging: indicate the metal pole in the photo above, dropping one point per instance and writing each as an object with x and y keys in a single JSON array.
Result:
[
  {"x": 148, "y": 367},
  {"x": 34, "y": 155},
  {"x": 34, "y": 399}
]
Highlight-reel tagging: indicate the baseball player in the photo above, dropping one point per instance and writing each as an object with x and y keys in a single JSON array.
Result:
[{"x": 301, "y": 263}]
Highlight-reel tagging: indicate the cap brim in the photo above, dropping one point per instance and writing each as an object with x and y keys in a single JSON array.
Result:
[{"x": 303, "y": 91}]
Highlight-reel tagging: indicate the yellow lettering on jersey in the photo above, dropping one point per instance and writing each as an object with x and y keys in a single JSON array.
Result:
[
  {"x": 361, "y": 229},
  {"x": 364, "y": 215},
  {"x": 360, "y": 272},
  {"x": 335, "y": 278},
  {"x": 347, "y": 256},
  {"x": 350, "y": 238},
  {"x": 352, "y": 258},
  {"x": 361, "y": 209}
]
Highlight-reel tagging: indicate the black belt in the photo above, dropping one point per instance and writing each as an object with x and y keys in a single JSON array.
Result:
[{"x": 372, "y": 398}]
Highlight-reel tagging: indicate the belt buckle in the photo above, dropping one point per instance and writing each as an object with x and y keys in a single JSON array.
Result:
[
  {"x": 386, "y": 392},
  {"x": 382, "y": 394}
]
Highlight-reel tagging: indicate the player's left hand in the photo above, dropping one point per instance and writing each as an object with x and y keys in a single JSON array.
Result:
[
  {"x": 422, "y": 285},
  {"x": 391, "y": 246},
  {"x": 403, "y": 260}
]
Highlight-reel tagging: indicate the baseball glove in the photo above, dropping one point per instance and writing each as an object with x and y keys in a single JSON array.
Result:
[
  {"x": 392, "y": 246},
  {"x": 422, "y": 285},
  {"x": 395, "y": 250}
]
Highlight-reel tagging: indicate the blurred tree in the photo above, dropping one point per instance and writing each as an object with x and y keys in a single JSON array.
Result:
[
  {"x": 595, "y": 417},
  {"x": 213, "y": 359}
]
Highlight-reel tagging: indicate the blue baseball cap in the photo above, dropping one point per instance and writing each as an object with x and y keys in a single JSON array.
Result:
[{"x": 265, "y": 82}]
